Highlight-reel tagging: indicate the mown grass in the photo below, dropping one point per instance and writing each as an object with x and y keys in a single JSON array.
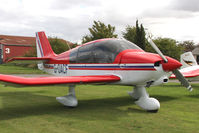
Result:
[
  {"x": 13, "y": 69},
  {"x": 101, "y": 109}
]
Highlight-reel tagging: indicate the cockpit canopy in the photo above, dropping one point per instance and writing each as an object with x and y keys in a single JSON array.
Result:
[{"x": 100, "y": 52}]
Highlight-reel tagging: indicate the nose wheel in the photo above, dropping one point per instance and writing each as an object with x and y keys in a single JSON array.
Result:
[{"x": 143, "y": 100}]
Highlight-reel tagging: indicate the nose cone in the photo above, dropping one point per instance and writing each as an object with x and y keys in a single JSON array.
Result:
[{"x": 172, "y": 64}]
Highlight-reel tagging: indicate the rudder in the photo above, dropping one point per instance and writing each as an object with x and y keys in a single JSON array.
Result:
[
  {"x": 187, "y": 59},
  {"x": 43, "y": 46}
]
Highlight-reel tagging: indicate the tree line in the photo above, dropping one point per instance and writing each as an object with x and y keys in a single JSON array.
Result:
[{"x": 135, "y": 34}]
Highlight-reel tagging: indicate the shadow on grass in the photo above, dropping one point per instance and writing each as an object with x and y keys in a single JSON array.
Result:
[
  {"x": 23, "y": 104},
  {"x": 161, "y": 98}
]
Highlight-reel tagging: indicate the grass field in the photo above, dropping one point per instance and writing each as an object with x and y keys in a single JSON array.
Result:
[
  {"x": 13, "y": 69},
  {"x": 102, "y": 109}
]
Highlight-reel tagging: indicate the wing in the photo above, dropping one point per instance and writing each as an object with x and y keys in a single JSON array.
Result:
[
  {"x": 188, "y": 73},
  {"x": 58, "y": 80}
]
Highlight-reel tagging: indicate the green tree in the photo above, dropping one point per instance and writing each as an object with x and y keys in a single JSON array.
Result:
[
  {"x": 168, "y": 47},
  {"x": 187, "y": 45},
  {"x": 98, "y": 31},
  {"x": 58, "y": 45},
  {"x": 136, "y": 35},
  {"x": 142, "y": 38},
  {"x": 130, "y": 33}
]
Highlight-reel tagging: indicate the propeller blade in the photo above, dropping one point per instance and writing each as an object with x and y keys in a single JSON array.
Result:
[
  {"x": 182, "y": 79},
  {"x": 158, "y": 51}
]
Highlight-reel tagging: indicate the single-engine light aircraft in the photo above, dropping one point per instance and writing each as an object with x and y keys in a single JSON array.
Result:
[{"x": 104, "y": 61}]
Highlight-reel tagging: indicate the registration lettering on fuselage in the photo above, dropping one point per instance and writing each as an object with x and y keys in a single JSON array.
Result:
[{"x": 60, "y": 68}]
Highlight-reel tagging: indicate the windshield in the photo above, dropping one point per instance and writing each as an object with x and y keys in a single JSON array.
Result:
[
  {"x": 116, "y": 46},
  {"x": 100, "y": 52}
]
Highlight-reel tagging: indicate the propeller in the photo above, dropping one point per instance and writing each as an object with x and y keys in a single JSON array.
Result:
[
  {"x": 176, "y": 72},
  {"x": 158, "y": 51},
  {"x": 182, "y": 79}
]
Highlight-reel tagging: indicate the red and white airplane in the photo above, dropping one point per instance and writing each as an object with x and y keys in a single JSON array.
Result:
[
  {"x": 190, "y": 68},
  {"x": 104, "y": 61}
]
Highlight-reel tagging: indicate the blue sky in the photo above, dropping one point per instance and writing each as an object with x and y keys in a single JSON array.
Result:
[{"x": 70, "y": 19}]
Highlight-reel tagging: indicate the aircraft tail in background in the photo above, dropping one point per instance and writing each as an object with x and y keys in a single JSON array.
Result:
[{"x": 187, "y": 59}]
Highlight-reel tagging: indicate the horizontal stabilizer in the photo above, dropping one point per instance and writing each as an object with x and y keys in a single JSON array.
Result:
[
  {"x": 28, "y": 59},
  {"x": 58, "y": 80}
]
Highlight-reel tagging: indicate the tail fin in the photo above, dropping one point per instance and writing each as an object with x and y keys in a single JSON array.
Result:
[
  {"x": 187, "y": 59},
  {"x": 43, "y": 46}
]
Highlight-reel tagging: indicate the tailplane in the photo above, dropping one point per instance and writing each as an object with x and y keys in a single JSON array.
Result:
[
  {"x": 44, "y": 52},
  {"x": 187, "y": 59}
]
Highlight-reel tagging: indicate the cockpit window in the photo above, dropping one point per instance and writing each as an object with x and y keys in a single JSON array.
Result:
[
  {"x": 102, "y": 52},
  {"x": 116, "y": 46},
  {"x": 73, "y": 56},
  {"x": 84, "y": 54},
  {"x": 106, "y": 51},
  {"x": 102, "y": 55}
]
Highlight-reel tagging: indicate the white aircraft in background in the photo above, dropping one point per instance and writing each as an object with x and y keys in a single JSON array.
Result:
[
  {"x": 104, "y": 61},
  {"x": 190, "y": 68}
]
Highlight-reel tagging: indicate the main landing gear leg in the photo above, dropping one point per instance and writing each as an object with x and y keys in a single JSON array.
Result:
[
  {"x": 69, "y": 100},
  {"x": 143, "y": 100}
]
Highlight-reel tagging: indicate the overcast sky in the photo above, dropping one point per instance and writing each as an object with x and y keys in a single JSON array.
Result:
[{"x": 70, "y": 19}]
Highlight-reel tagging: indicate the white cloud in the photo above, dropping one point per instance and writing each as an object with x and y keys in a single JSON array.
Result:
[
  {"x": 186, "y": 5},
  {"x": 180, "y": 29},
  {"x": 71, "y": 19}
]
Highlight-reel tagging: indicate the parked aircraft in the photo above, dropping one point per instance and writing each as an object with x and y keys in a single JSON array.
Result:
[
  {"x": 190, "y": 68},
  {"x": 104, "y": 61}
]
